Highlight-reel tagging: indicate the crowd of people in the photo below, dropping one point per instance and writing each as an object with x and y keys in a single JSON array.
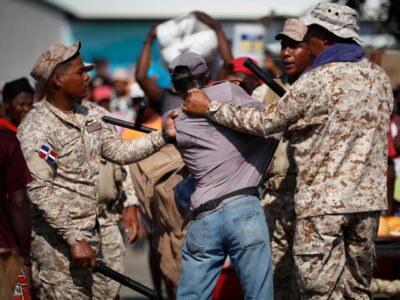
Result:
[{"x": 286, "y": 190}]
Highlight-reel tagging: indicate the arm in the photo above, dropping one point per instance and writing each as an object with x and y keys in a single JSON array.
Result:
[
  {"x": 126, "y": 152},
  {"x": 131, "y": 211},
  {"x": 49, "y": 199},
  {"x": 148, "y": 85},
  {"x": 396, "y": 139},
  {"x": 18, "y": 208},
  {"x": 272, "y": 66},
  {"x": 272, "y": 119},
  {"x": 120, "y": 152},
  {"x": 19, "y": 211},
  {"x": 223, "y": 43},
  {"x": 42, "y": 191}
]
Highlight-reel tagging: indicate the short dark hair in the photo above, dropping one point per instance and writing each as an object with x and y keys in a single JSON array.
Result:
[{"x": 12, "y": 88}]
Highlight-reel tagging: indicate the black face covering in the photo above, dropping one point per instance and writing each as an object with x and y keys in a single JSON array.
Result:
[{"x": 185, "y": 84}]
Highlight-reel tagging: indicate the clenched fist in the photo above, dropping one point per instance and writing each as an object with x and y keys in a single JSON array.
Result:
[{"x": 196, "y": 103}]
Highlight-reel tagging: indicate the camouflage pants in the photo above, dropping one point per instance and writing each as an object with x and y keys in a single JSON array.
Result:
[
  {"x": 56, "y": 276},
  {"x": 280, "y": 216},
  {"x": 335, "y": 254},
  {"x": 113, "y": 248}
]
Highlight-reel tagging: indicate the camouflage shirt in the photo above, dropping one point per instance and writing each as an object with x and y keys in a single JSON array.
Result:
[
  {"x": 64, "y": 190},
  {"x": 116, "y": 190},
  {"x": 336, "y": 116}
]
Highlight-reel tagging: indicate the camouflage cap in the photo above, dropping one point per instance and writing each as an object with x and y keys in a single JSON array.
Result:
[
  {"x": 55, "y": 54},
  {"x": 294, "y": 29},
  {"x": 338, "y": 19}
]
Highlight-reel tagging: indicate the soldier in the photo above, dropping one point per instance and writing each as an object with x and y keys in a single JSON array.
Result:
[
  {"x": 117, "y": 199},
  {"x": 280, "y": 185},
  {"x": 63, "y": 142},
  {"x": 336, "y": 118}
]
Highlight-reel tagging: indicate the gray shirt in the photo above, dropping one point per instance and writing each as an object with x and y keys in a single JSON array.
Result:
[{"x": 221, "y": 160}]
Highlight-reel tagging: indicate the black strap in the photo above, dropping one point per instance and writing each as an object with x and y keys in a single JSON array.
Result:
[{"x": 213, "y": 204}]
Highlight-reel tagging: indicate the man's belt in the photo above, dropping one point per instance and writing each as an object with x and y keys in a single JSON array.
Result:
[{"x": 213, "y": 204}]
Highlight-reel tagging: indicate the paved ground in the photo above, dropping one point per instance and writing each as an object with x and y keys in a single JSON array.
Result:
[{"x": 137, "y": 268}]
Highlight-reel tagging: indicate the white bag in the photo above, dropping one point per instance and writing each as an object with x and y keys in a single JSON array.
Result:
[{"x": 186, "y": 34}]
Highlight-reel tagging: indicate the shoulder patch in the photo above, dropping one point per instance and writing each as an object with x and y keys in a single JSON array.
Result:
[{"x": 48, "y": 154}]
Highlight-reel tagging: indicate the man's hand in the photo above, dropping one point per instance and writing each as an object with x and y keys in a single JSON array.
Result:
[
  {"x": 170, "y": 126},
  {"x": 152, "y": 33},
  {"x": 206, "y": 19},
  {"x": 272, "y": 66},
  {"x": 196, "y": 103},
  {"x": 83, "y": 255},
  {"x": 131, "y": 222},
  {"x": 234, "y": 79}
]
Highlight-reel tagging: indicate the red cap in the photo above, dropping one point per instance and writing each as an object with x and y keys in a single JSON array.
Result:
[
  {"x": 236, "y": 65},
  {"x": 103, "y": 92}
]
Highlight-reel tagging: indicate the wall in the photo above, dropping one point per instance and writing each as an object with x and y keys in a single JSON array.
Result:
[{"x": 26, "y": 29}]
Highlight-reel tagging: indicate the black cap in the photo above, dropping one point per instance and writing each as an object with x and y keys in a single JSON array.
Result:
[{"x": 192, "y": 62}]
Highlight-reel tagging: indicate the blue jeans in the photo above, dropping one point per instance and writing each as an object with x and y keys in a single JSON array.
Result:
[{"x": 239, "y": 230}]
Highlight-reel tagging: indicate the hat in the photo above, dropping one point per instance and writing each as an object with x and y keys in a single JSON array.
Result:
[
  {"x": 338, "y": 19},
  {"x": 121, "y": 74},
  {"x": 103, "y": 92},
  {"x": 51, "y": 57},
  {"x": 195, "y": 63},
  {"x": 237, "y": 66},
  {"x": 294, "y": 29}
]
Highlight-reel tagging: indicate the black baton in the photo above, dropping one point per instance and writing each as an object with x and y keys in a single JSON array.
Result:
[
  {"x": 262, "y": 75},
  {"x": 126, "y": 124},
  {"x": 126, "y": 281}
]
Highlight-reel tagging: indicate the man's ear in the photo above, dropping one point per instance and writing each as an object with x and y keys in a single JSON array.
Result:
[
  {"x": 328, "y": 38},
  {"x": 57, "y": 80},
  {"x": 6, "y": 105}
]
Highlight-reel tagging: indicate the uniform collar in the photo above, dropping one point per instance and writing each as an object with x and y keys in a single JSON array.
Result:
[{"x": 80, "y": 113}]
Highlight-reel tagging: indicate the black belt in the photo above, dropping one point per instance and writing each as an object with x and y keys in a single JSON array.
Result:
[{"x": 212, "y": 204}]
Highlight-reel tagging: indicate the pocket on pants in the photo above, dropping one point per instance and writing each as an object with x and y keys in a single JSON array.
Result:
[
  {"x": 196, "y": 237},
  {"x": 249, "y": 230}
]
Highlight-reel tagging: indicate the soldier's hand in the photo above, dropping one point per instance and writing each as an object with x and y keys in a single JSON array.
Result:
[
  {"x": 196, "y": 102},
  {"x": 131, "y": 222},
  {"x": 83, "y": 255},
  {"x": 170, "y": 125}
]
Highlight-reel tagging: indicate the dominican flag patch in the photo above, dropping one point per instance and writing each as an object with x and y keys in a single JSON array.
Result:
[{"x": 48, "y": 154}]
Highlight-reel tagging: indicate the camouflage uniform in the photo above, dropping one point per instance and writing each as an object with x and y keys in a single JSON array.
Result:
[
  {"x": 336, "y": 118},
  {"x": 116, "y": 192},
  {"x": 278, "y": 203},
  {"x": 64, "y": 192},
  {"x": 109, "y": 213}
]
